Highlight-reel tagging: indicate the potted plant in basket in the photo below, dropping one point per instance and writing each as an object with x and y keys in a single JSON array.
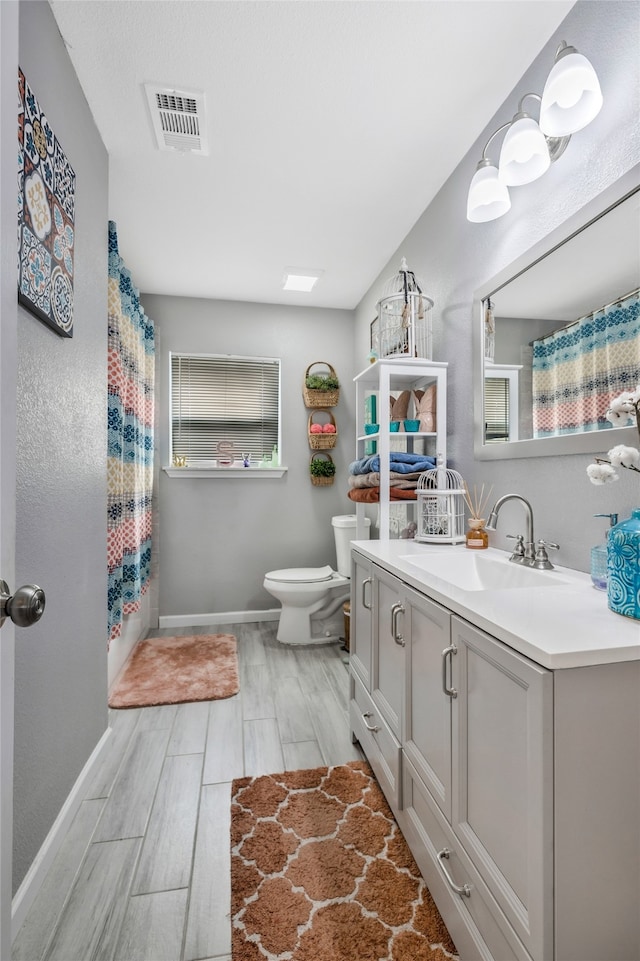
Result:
[
  {"x": 322, "y": 470},
  {"x": 322, "y": 382},
  {"x": 321, "y": 389}
]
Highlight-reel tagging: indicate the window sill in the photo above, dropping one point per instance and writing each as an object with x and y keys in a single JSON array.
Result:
[{"x": 229, "y": 472}]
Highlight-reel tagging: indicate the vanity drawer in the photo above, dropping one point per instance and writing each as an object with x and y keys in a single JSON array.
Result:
[
  {"x": 475, "y": 922},
  {"x": 377, "y": 741}
]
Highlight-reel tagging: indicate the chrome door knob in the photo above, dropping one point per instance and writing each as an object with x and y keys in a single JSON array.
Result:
[{"x": 25, "y": 607}]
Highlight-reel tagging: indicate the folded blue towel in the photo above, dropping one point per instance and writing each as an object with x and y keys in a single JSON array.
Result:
[{"x": 399, "y": 461}]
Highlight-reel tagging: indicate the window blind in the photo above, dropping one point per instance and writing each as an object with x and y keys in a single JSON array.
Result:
[
  {"x": 218, "y": 398},
  {"x": 496, "y": 409}
]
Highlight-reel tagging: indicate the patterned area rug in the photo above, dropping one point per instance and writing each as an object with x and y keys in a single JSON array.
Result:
[
  {"x": 172, "y": 670},
  {"x": 321, "y": 872}
]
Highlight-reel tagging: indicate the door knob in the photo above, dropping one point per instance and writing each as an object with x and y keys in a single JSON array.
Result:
[{"x": 25, "y": 607}]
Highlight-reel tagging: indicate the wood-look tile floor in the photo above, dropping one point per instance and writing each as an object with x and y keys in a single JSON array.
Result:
[{"x": 143, "y": 873}]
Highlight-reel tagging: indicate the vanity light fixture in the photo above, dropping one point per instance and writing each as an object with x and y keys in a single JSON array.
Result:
[
  {"x": 570, "y": 100},
  {"x": 488, "y": 196},
  {"x": 300, "y": 279},
  {"x": 572, "y": 96}
]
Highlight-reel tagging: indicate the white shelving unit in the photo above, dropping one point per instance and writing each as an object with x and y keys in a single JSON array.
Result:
[{"x": 383, "y": 378}]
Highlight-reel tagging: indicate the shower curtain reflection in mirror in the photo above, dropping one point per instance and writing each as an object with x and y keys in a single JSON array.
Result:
[{"x": 579, "y": 368}]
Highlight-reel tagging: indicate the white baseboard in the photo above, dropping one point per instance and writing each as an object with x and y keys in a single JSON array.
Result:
[
  {"x": 227, "y": 617},
  {"x": 32, "y": 882}
]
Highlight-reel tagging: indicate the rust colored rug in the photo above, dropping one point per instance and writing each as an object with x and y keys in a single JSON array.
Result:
[
  {"x": 172, "y": 670},
  {"x": 321, "y": 872}
]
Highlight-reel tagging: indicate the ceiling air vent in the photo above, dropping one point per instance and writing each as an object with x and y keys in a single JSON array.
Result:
[{"x": 178, "y": 118}]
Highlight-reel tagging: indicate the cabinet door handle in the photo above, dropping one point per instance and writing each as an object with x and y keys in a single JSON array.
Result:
[
  {"x": 366, "y": 581},
  {"x": 395, "y": 610},
  {"x": 448, "y": 652},
  {"x": 370, "y": 727},
  {"x": 463, "y": 890}
]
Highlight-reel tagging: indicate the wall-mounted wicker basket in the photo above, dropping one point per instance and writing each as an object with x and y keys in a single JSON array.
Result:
[
  {"x": 326, "y": 440},
  {"x": 314, "y": 397},
  {"x": 321, "y": 481}
]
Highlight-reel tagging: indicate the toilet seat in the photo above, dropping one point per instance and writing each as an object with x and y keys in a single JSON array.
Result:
[{"x": 302, "y": 575}]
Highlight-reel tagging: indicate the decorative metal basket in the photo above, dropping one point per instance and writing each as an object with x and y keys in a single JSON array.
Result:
[
  {"x": 404, "y": 318},
  {"x": 441, "y": 507}
]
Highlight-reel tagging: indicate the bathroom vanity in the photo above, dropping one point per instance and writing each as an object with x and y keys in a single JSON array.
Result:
[{"x": 499, "y": 708}]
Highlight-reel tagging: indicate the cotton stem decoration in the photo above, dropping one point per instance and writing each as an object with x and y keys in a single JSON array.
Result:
[{"x": 624, "y": 411}]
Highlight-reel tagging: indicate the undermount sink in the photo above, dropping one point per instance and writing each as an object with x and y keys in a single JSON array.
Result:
[{"x": 476, "y": 572}]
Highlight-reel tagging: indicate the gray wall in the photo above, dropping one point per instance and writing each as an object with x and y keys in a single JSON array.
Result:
[
  {"x": 61, "y": 663},
  {"x": 218, "y": 537},
  {"x": 455, "y": 257}
]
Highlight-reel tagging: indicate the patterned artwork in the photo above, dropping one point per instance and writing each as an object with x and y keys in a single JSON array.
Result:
[
  {"x": 46, "y": 213},
  {"x": 130, "y": 431}
]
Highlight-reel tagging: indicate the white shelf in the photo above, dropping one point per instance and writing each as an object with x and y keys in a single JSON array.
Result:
[
  {"x": 383, "y": 377},
  {"x": 399, "y": 433},
  {"x": 226, "y": 472}
]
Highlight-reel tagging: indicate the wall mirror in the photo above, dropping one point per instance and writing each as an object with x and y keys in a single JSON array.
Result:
[{"x": 556, "y": 330}]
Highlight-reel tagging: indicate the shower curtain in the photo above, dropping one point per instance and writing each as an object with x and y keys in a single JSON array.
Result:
[
  {"x": 130, "y": 430},
  {"x": 577, "y": 370}
]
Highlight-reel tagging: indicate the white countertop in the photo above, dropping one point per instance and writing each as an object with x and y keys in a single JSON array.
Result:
[{"x": 560, "y": 626}]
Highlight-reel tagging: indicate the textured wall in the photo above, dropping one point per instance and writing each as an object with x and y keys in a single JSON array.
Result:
[
  {"x": 61, "y": 679},
  {"x": 219, "y": 537},
  {"x": 455, "y": 257}
]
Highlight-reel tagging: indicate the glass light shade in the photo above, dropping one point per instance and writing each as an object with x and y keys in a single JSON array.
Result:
[
  {"x": 571, "y": 97},
  {"x": 488, "y": 198},
  {"x": 525, "y": 155}
]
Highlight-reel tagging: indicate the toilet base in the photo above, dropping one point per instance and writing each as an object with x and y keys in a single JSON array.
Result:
[{"x": 297, "y": 628}]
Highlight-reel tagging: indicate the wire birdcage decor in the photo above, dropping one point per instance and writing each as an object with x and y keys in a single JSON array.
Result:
[
  {"x": 404, "y": 318},
  {"x": 441, "y": 503}
]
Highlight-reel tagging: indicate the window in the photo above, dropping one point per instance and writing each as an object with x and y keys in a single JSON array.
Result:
[
  {"x": 224, "y": 407},
  {"x": 496, "y": 409}
]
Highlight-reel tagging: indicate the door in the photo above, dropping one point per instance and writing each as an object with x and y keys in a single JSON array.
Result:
[
  {"x": 8, "y": 328},
  {"x": 361, "y": 627},
  {"x": 427, "y": 740},
  {"x": 502, "y": 778},
  {"x": 389, "y": 644}
]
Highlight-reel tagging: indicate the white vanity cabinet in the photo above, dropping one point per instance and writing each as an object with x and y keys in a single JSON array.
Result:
[
  {"x": 489, "y": 800},
  {"x": 516, "y": 786},
  {"x": 361, "y": 633},
  {"x": 377, "y": 670}
]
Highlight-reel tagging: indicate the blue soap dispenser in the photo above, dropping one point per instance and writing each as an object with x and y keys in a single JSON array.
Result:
[
  {"x": 599, "y": 557},
  {"x": 623, "y": 570}
]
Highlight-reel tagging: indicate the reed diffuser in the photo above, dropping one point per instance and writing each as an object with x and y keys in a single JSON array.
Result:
[{"x": 477, "y": 538}]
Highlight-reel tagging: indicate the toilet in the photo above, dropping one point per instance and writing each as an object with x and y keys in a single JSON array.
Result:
[{"x": 312, "y": 597}]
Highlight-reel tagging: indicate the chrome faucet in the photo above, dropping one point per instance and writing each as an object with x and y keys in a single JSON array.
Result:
[
  {"x": 523, "y": 554},
  {"x": 528, "y": 553}
]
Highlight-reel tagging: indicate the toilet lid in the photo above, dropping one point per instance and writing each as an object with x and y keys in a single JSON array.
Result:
[{"x": 301, "y": 575}]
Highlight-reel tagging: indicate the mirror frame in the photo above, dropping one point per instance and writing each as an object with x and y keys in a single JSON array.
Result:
[{"x": 590, "y": 442}]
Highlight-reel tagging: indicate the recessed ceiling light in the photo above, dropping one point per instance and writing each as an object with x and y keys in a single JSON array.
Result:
[{"x": 301, "y": 279}]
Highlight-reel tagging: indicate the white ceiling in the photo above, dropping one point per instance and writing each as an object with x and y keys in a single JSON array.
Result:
[{"x": 331, "y": 126}]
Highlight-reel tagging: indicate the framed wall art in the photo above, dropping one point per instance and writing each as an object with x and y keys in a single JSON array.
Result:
[{"x": 46, "y": 213}]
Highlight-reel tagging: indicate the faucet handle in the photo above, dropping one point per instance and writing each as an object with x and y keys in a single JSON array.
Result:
[
  {"x": 518, "y": 550},
  {"x": 541, "y": 561}
]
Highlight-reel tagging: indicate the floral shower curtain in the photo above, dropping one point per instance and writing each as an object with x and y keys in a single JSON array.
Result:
[
  {"x": 579, "y": 369},
  {"x": 130, "y": 457}
]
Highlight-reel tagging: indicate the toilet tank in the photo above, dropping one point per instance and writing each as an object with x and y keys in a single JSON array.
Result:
[{"x": 344, "y": 531}]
